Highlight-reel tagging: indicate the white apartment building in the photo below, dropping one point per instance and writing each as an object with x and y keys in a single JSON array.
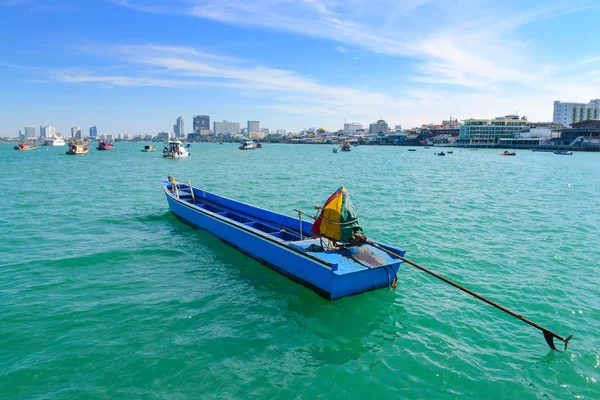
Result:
[
  {"x": 351, "y": 128},
  {"x": 568, "y": 113},
  {"x": 226, "y": 128},
  {"x": 379, "y": 126},
  {"x": 47, "y": 131}
]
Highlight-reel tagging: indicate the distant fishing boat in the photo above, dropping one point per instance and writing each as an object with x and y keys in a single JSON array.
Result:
[
  {"x": 26, "y": 146},
  {"x": 346, "y": 146},
  {"x": 563, "y": 152},
  {"x": 328, "y": 257},
  {"x": 449, "y": 152},
  {"x": 148, "y": 149},
  {"x": 335, "y": 149},
  {"x": 175, "y": 149},
  {"x": 248, "y": 145},
  {"x": 54, "y": 141},
  {"x": 412, "y": 149},
  {"x": 441, "y": 153},
  {"x": 77, "y": 147},
  {"x": 509, "y": 153},
  {"x": 105, "y": 145},
  {"x": 259, "y": 145}
]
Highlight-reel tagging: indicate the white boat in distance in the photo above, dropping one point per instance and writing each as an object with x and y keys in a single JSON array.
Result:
[
  {"x": 248, "y": 145},
  {"x": 54, "y": 141},
  {"x": 175, "y": 149}
]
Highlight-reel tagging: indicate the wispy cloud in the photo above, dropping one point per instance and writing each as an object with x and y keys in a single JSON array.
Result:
[{"x": 463, "y": 43}]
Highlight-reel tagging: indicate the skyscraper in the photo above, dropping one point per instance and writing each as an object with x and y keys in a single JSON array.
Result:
[
  {"x": 76, "y": 132},
  {"x": 93, "y": 132},
  {"x": 178, "y": 128},
  {"x": 253, "y": 127},
  {"x": 30, "y": 132},
  {"x": 47, "y": 131},
  {"x": 201, "y": 122}
]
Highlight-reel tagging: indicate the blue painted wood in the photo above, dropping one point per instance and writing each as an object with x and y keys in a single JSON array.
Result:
[{"x": 274, "y": 239}]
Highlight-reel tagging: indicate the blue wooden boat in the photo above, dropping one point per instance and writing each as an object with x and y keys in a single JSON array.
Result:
[{"x": 286, "y": 244}]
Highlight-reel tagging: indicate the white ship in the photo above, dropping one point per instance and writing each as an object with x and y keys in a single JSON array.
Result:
[
  {"x": 54, "y": 141},
  {"x": 175, "y": 150}
]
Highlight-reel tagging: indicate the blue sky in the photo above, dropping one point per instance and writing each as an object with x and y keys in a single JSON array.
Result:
[{"x": 134, "y": 66}]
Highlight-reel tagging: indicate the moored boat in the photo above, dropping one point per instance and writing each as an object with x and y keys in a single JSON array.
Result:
[
  {"x": 449, "y": 152},
  {"x": 175, "y": 149},
  {"x": 259, "y": 145},
  {"x": 412, "y": 149},
  {"x": 509, "y": 153},
  {"x": 103, "y": 145},
  {"x": 77, "y": 147},
  {"x": 248, "y": 145},
  {"x": 148, "y": 149},
  {"x": 54, "y": 141},
  {"x": 26, "y": 145},
  {"x": 332, "y": 258},
  {"x": 563, "y": 152}
]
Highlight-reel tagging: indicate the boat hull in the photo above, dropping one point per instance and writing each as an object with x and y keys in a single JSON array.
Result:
[{"x": 328, "y": 280}]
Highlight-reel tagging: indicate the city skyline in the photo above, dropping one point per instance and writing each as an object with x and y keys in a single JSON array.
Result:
[{"x": 412, "y": 63}]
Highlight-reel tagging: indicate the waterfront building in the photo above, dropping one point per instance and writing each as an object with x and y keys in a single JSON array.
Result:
[
  {"x": 201, "y": 122},
  {"x": 178, "y": 128},
  {"x": 540, "y": 130},
  {"x": 163, "y": 136},
  {"x": 29, "y": 132},
  {"x": 47, "y": 132},
  {"x": 93, "y": 132},
  {"x": 76, "y": 132},
  {"x": 244, "y": 131},
  {"x": 21, "y": 135},
  {"x": 108, "y": 137},
  {"x": 226, "y": 128},
  {"x": 253, "y": 127},
  {"x": 350, "y": 128},
  {"x": 377, "y": 127},
  {"x": 568, "y": 113},
  {"x": 490, "y": 130}
]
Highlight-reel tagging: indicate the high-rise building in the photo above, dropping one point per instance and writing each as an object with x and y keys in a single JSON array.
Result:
[
  {"x": 201, "y": 123},
  {"x": 568, "y": 113},
  {"x": 351, "y": 128},
  {"x": 253, "y": 127},
  {"x": 29, "y": 132},
  {"x": 226, "y": 128},
  {"x": 21, "y": 135},
  {"x": 490, "y": 130},
  {"x": 76, "y": 132},
  {"x": 178, "y": 128},
  {"x": 378, "y": 127},
  {"x": 93, "y": 132},
  {"x": 47, "y": 131}
]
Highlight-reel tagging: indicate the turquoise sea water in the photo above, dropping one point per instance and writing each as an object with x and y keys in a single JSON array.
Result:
[{"x": 104, "y": 294}]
